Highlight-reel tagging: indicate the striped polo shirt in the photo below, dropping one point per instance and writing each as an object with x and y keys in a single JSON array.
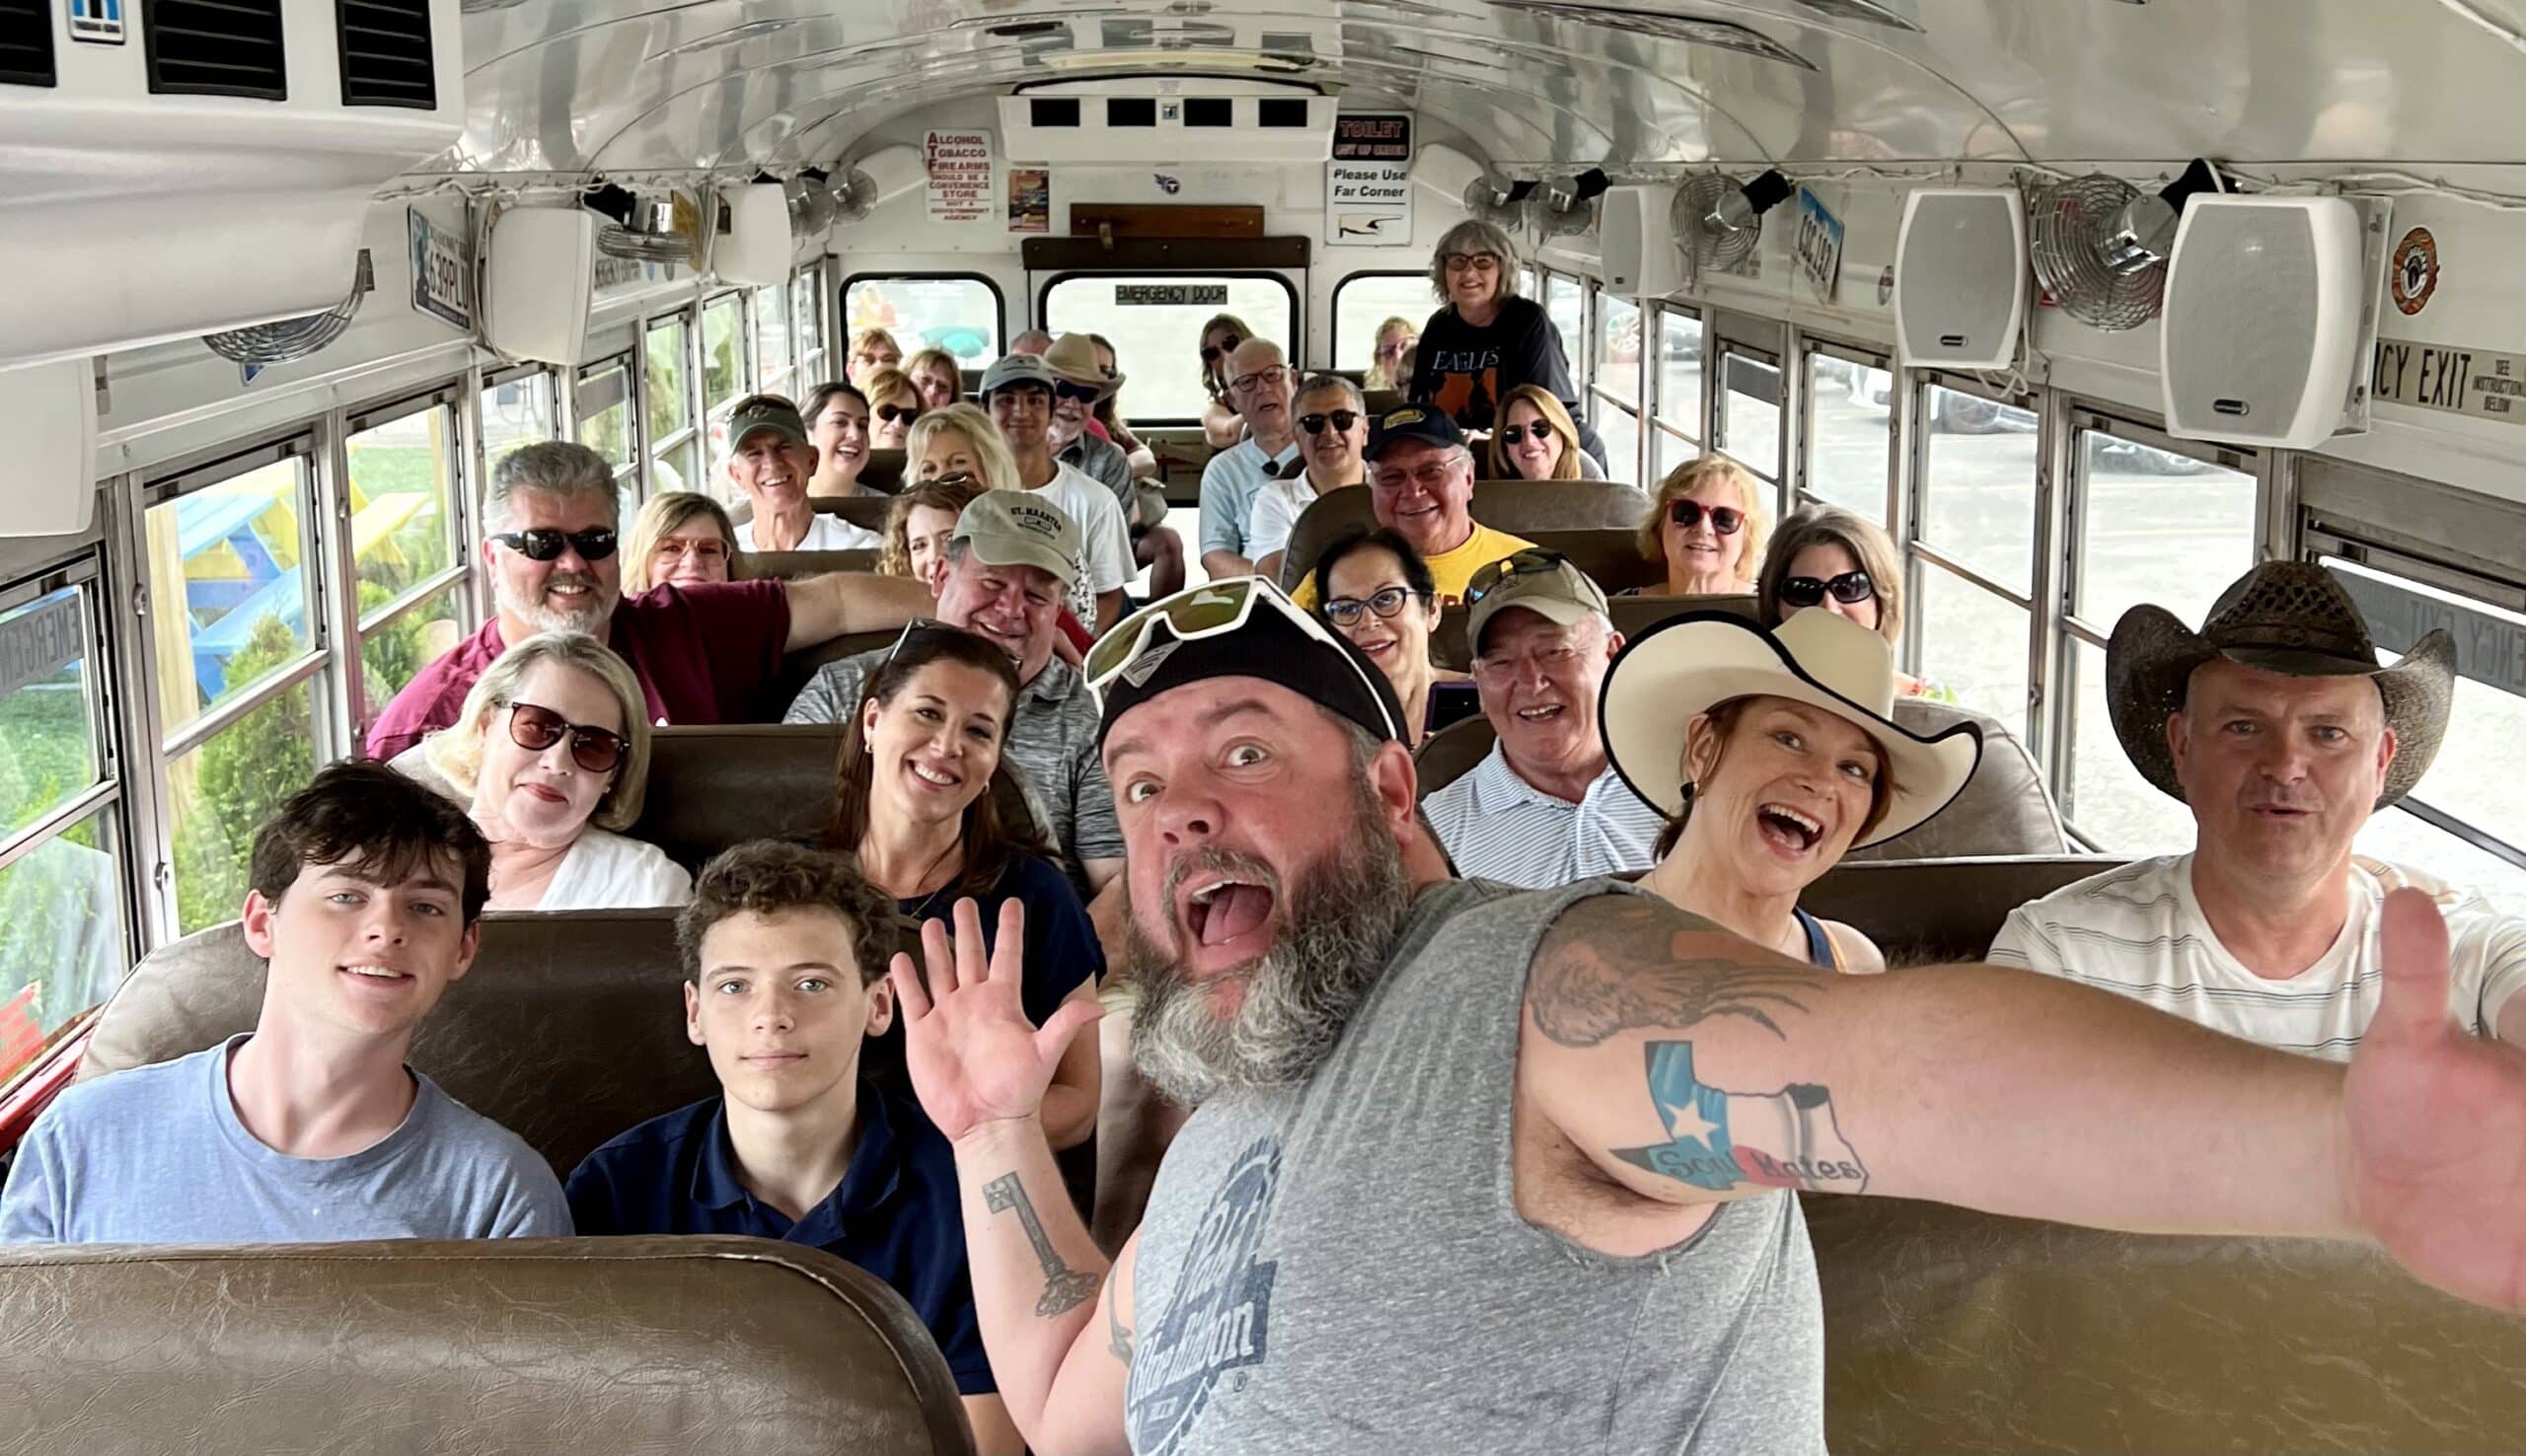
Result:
[
  {"x": 2139, "y": 930},
  {"x": 1496, "y": 825}
]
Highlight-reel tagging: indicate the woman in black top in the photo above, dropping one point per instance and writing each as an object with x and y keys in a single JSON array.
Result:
[{"x": 1485, "y": 340}]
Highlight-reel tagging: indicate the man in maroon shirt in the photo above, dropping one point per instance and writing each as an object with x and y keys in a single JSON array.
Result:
[{"x": 704, "y": 654}]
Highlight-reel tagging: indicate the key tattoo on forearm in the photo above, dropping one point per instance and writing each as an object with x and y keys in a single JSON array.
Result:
[{"x": 1065, "y": 1288}]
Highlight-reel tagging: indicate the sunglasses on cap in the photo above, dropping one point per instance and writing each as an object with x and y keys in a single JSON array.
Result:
[
  {"x": 920, "y": 628},
  {"x": 546, "y": 542},
  {"x": 1851, "y": 589},
  {"x": 1514, "y": 435},
  {"x": 1687, "y": 513},
  {"x": 535, "y": 729},
  {"x": 1385, "y": 602},
  {"x": 1342, "y": 420},
  {"x": 1532, "y": 561},
  {"x": 1211, "y": 611},
  {"x": 889, "y": 413},
  {"x": 1211, "y": 353},
  {"x": 953, "y": 477}
]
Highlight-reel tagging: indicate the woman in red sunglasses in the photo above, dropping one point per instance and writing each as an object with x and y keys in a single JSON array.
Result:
[
  {"x": 552, "y": 752},
  {"x": 1705, "y": 526}
]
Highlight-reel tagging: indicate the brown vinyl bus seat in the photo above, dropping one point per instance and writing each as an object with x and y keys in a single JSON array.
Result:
[
  {"x": 1921, "y": 910},
  {"x": 1947, "y": 1330},
  {"x": 1381, "y": 400},
  {"x": 630, "y": 1344},
  {"x": 1519, "y": 507},
  {"x": 2004, "y": 809},
  {"x": 792, "y": 565},
  {"x": 1632, "y": 616},
  {"x": 883, "y": 472},
  {"x": 797, "y": 667}
]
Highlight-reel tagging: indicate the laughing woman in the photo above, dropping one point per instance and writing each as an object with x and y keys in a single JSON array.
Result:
[
  {"x": 1705, "y": 527},
  {"x": 912, "y": 800},
  {"x": 1773, "y": 754}
]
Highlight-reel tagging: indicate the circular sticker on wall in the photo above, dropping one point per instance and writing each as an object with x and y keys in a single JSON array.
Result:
[{"x": 2414, "y": 276}]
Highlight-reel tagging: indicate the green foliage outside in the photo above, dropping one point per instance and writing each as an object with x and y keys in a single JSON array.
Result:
[{"x": 237, "y": 779}]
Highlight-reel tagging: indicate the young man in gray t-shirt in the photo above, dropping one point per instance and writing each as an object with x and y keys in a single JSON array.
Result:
[{"x": 367, "y": 891}]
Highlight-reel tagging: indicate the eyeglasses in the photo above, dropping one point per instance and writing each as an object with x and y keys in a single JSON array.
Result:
[
  {"x": 1430, "y": 474},
  {"x": 1227, "y": 346},
  {"x": 1385, "y": 602},
  {"x": 536, "y": 729},
  {"x": 1342, "y": 420},
  {"x": 1084, "y": 394},
  {"x": 1532, "y": 561},
  {"x": 713, "y": 550},
  {"x": 545, "y": 543},
  {"x": 1686, "y": 513},
  {"x": 1851, "y": 589},
  {"x": 889, "y": 413},
  {"x": 1514, "y": 435},
  {"x": 1397, "y": 349},
  {"x": 1211, "y": 611},
  {"x": 1261, "y": 379},
  {"x": 1477, "y": 262}
]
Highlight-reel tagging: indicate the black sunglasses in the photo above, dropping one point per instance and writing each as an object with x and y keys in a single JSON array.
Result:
[
  {"x": 1342, "y": 419},
  {"x": 1211, "y": 352},
  {"x": 1386, "y": 603},
  {"x": 1084, "y": 394},
  {"x": 546, "y": 542},
  {"x": 1517, "y": 434},
  {"x": 1686, "y": 514},
  {"x": 1533, "y": 561},
  {"x": 1851, "y": 589},
  {"x": 892, "y": 412},
  {"x": 535, "y": 729}
]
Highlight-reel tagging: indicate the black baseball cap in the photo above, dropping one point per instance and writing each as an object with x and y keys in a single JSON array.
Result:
[
  {"x": 1413, "y": 422},
  {"x": 1273, "y": 640}
]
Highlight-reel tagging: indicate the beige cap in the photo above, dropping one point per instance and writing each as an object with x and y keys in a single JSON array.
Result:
[
  {"x": 1017, "y": 528},
  {"x": 1544, "y": 582}
]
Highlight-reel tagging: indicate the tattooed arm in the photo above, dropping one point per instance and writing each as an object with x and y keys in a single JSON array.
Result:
[{"x": 1691, "y": 1065}]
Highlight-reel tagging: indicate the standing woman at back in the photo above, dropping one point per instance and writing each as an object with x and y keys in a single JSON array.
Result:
[
  {"x": 1485, "y": 340},
  {"x": 1221, "y": 423}
]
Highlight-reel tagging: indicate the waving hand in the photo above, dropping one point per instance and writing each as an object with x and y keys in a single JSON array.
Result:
[{"x": 974, "y": 1057}]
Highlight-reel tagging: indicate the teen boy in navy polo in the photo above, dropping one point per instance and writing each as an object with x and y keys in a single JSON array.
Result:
[{"x": 785, "y": 954}]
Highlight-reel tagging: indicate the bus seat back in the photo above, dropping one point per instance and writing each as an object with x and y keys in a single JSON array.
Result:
[
  {"x": 2004, "y": 809},
  {"x": 1519, "y": 507},
  {"x": 1631, "y": 616},
  {"x": 1922, "y": 911},
  {"x": 792, "y": 565},
  {"x": 674, "y": 1343}
]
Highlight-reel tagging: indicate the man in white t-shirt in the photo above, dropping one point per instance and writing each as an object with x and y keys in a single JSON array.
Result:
[
  {"x": 1017, "y": 391},
  {"x": 771, "y": 462},
  {"x": 2277, "y": 728},
  {"x": 1333, "y": 442}
]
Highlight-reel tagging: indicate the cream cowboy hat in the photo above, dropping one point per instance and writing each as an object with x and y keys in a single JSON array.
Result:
[
  {"x": 1685, "y": 666},
  {"x": 2283, "y": 617},
  {"x": 1073, "y": 357}
]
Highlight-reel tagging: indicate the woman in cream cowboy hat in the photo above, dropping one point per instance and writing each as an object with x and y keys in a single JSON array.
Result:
[{"x": 1772, "y": 754}]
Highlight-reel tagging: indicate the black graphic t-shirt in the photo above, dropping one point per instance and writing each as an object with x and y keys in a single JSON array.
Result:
[{"x": 1464, "y": 370}]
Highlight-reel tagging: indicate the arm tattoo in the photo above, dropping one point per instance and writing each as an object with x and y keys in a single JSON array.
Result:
[
  {"x": 1618, "y": 963},
  {"x": 1722, "y": 1140},
  {"x": 1117, "y": 1338},
  {"x": 1065, "y": 1288}
]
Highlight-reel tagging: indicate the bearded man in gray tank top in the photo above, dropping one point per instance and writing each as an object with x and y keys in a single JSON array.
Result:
[{"x": 1476, "y": 1169}]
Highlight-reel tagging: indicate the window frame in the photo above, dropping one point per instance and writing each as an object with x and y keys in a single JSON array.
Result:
[
  {"x": 784, "y": 380},
  {"x": 1644, "y": 443},
  {"x": 461, "y": 527},
  {"x": 1659, "y": 421},
  {"x": 637, "y": 427},
  {"x": 809, "y": 321},
  {"x": 841, "y": 342},
  {"x": 1920, "y": 557},
  {"x": 1333, "y": 306},
  {"x": 1298, "y": 314},
  {"x": 688, "y": 319},
  {"x": 1779, "y": 476},
  {"x": 1799, "y": 440}
]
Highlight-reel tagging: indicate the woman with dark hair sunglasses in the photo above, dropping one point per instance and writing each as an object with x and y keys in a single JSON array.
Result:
[{"x": 1825, "y": 557}]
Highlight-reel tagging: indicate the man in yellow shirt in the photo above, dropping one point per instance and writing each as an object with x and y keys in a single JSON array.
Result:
[{"x": 1421, "y": 484}]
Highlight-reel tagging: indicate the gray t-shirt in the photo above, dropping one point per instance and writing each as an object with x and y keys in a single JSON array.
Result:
[
  {"x": 1051, "y": 747},
  {"x": 1340, "y": 1265},
  {"x": 156, "y": 1155}
]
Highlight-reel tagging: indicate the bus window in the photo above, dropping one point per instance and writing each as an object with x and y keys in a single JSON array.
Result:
[
  {"x": 1617, "y": 383},
  {"x": 2155, "y": 525},
  {"x": 516, "y": 411},
  {"x": 1363, "y": 302},
  {"x": 1747, "y": 413},
  {"x": 229, "y": 589},
  {"x": 674, "y": 444},
  {"x": 960, "y": 315},
  {"x": 1565, "y": 305},
  {"x": 1159, "y": 346},
  {"x": 1974, "y": 542},
  {"x": 61, "y": 932},
  {"x": 806, "y": 302},
  {"x": 410, "y": 569},
  {"x": 1678, "y": 416},
  {"x": 604, "y": 406},
  {"x": 2101, "y": 794},
  {"x": 772, "y": 362},
  {"x": 723, "y": 381},
  {"x": 1848, "y": 419}
]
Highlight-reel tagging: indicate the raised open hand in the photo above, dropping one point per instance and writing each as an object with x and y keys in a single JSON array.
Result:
[
  {"x": 974, "y": 1057},
  {"x": 2438, "y": 1125}
]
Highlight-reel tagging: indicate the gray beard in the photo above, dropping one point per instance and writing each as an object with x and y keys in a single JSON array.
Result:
[
  {"x": 1339, "y": 922},
  {"x": 546, "y": 620}
]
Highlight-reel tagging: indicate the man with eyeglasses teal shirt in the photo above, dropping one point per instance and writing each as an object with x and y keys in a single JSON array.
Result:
[{"x": 1259, "y": 386}]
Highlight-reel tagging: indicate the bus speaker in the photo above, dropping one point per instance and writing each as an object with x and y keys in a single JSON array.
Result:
[
  {"x": 49, "y": 416},
  {"x": 2260, "y": 343},
  {"x": 536, "y": 281},
  {"x": 1640, "y": 253},
  {"x": 754, "y": 248},
  {"x": 1959, "y": 278}
]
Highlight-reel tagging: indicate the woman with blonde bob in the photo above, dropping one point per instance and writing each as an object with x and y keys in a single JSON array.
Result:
[
  {"x": 681, "y": 538},
  {"x": 937, "y": 374},
  {"x": 920, "y": 523},
  {"x": 1394, "y": 338},
  {"x": 551, "y": 755},
  {"x": 1538, "y": 441},
  {"x": 1772, "y": 754},
  {"x": 959, "y": 439},
  {"x": 1825, "y": 557},
  {"x": 871, "y": 349},
  {"x": 1706, "y": 527}
]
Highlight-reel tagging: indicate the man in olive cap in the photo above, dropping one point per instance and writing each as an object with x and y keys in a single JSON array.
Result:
[{"x": 2277, "y": 728}]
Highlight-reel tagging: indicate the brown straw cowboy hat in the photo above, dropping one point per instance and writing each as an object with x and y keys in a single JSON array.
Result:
[{"x": 2283, "y": 617}]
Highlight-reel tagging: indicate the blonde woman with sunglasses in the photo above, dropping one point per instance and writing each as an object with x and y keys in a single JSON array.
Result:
[
  {"x": 1706, "y": 528},
  {"x": 1538, "y": 441}
]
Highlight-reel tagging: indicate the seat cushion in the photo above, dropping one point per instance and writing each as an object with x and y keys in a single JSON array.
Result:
[{"x": 2004, "y": 809}]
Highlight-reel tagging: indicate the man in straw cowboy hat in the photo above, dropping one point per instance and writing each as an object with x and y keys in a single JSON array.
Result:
[
  {"x": 1481, "y": 1169},
  {"x": 2276, "y": 727}
]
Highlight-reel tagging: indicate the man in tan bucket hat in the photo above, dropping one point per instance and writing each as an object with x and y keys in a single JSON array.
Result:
[{"x": 2278, "y": 727}]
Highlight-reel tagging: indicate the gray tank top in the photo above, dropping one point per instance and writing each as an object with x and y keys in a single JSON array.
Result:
[{"x": 1341, "y": 1266}]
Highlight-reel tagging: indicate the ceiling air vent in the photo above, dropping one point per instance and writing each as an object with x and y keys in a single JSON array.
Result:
[
  {"x": 26, "y": 43},
  {"x": 386, "y": 54},
  {"x": 214, "y": 47},
  {"x": 1280, "y": 111},
  {"x": 1209, "y": 110},
  {"x": 1054, "y": 110}
]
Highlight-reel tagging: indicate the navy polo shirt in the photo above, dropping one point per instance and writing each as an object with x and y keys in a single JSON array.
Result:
[{"x": 895, "y": 1213}]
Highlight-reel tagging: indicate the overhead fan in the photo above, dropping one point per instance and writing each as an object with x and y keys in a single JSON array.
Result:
[
  {"x": 659, "y": 228},
  {"x": 266, "y": 344},
  {"x": 1718, "y": 219},
  {"x": 853, "y": 194},
  {"x": 2100, "y": 244},
  {"x": 1564, "y": 208},
  {"x": 1496, "y": 200},
  {"x": 811, "y": 204}
]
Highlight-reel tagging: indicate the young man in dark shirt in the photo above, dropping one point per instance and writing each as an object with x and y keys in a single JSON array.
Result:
[{"x": 784, "y": 953}]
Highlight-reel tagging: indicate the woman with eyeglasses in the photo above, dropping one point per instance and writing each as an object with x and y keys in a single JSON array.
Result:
[
  {"x": 871, "y": 349},
  {"x": 1538, "y": 441},
  {"x": 1705, "y": 527},
  {"x": 681, "y": 538},
  {"x": 551, "y": 755},
  {"x": 1220, "y": 421},
  {"x": 837, "y": 416},
  {"x": 1333, "y": 440},
  {"x": 1373, "y": 588},
  {"x": 1825, "y": 557},
  {"x": 920, "y": 523},
  {"x": 914, "y": 802},
  {"x": 1485, "y": 340},
  {"x": 1394, "y": 339},
  {"x": 935, "y": 373},
  {"x": 894, "y": 402}
]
